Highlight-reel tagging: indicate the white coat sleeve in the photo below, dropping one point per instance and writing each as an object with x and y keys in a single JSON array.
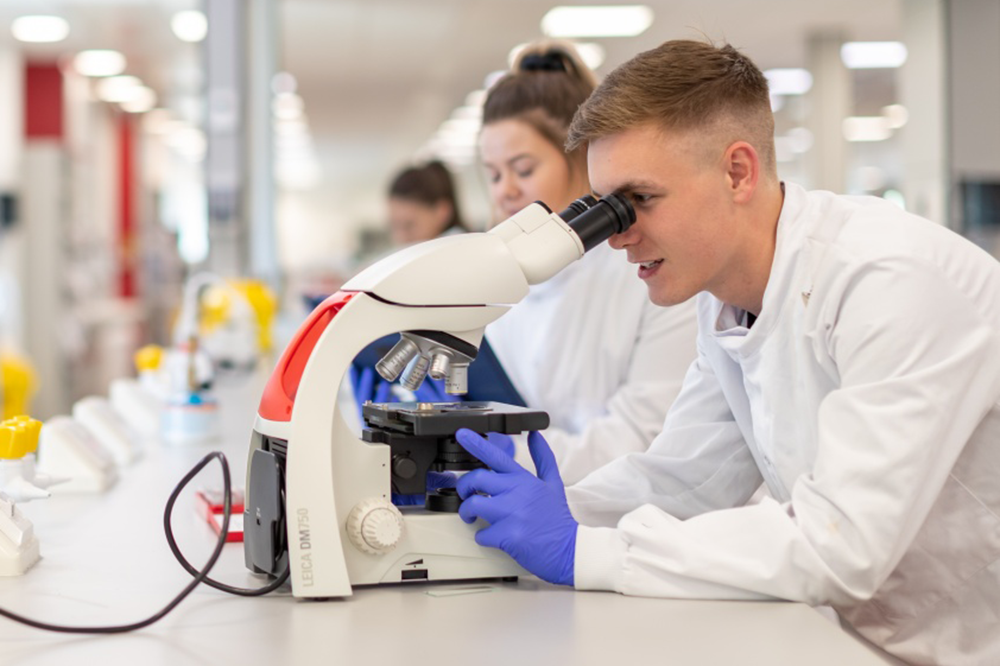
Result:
[
  {"x": 698, "y": 463},
  {"x": 919, "y": 368},
  {"x": 664, "y": 347}
]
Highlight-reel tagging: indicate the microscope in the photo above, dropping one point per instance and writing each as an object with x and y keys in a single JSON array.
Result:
[{"x": 318, "y": 497}]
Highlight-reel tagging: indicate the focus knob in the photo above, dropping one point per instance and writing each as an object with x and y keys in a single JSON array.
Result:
[{"x": 375, "y": 526}]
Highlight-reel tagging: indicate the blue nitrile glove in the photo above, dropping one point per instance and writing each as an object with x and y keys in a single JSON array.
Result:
[
  {"x": 435, "y": 480},
  {"x": 503, "y": 442},
  {"x": 528, "y": 515}
]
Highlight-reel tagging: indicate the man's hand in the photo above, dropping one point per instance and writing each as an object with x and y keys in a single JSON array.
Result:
[{"x": 528, "y": 515}]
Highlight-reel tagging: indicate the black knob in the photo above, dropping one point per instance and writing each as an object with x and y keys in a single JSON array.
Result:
[{"x": 404, "y": 467}]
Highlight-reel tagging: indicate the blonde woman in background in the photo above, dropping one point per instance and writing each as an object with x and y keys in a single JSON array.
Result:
[{"x": 587, "y": 346}]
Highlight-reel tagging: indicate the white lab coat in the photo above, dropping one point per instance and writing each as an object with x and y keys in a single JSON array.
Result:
[
  {"x": 589, "y": 348},
  {"x": 867, "y": 397}
]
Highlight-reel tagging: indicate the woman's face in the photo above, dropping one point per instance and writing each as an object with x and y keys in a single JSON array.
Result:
[
  {"x": 523, "y": 167},
  {"x": 413, "y": 221}
]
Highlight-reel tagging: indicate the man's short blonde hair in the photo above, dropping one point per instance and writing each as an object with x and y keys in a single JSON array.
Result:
[{"x": 682, "y": 85}]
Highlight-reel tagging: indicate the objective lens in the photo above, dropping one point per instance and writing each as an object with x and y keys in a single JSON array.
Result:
[
  {"x": 440, "y": 364},
  {"x": 611, "y": 215},
  {"x": 396, "y": 360},
  {"x": 415, "y": 373}
]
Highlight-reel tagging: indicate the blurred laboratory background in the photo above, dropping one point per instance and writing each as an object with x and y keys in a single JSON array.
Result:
[{"x": 144, "y": 142}]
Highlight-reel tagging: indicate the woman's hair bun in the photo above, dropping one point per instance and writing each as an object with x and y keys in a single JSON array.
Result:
[{"x": 551, "y": 61}]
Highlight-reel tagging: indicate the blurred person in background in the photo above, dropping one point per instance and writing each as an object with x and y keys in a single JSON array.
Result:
[
  {"x": 587, "y": 346},
  {"x": 422, "y": 204}
]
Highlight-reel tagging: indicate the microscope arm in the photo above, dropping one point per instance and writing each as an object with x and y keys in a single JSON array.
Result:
[{"x": 493, "y": 268}]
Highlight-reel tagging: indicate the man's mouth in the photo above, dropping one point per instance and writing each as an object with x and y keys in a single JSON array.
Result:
[{"x": 648, "y": 268}]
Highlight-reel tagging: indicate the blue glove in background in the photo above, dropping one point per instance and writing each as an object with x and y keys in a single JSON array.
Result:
[
  {"x": 528, "y": 515},
  {"x": 435, "y": 480},
  {"x": 432, "y": 390},
  {"x": 368, "y": 385}
]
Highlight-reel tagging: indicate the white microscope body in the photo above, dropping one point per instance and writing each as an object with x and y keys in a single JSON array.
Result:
[{"x": 331, "y": 507}]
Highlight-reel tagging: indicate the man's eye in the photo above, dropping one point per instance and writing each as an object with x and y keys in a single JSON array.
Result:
[{"x": 641, "y": 199}]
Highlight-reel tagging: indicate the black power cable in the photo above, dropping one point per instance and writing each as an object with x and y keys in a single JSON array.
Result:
[{"x": 199, "y": 576}]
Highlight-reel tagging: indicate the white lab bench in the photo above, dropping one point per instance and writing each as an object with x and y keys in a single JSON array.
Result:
[{"x": 105, "y": 561}]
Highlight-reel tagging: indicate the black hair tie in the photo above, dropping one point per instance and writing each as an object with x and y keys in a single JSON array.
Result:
[{"x": 539, "y": 62}]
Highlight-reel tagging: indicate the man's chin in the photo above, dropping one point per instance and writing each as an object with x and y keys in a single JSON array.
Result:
[{"x": 666, "y": 299}]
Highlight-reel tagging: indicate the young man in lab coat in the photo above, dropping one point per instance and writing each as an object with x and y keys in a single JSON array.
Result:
[{"x": 849, "y": 358}]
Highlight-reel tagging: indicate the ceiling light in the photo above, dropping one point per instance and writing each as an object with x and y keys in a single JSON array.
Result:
[
  {"x": 189, "y": 25},
  {"x": 445, "y": 140},
  {"x": 40, "y": 28},
  {"x": 788, "y": 81},
  {"x": 143, "y": 99},
  {"x": 896, "y": 197},
  {"x": 285, "y": 142},
  {"x": 457, "y": 141},
  {"x": 492, "y": 78},
  {"x": 871, "y": 55},
  {"x": 283, "y": 82},
  {"x": 287, "y": 106},
  {"x": 866, "y": 128},
  {"x": 468, "y": 112},
  {"x": 475, "y": 98},
  {"x": 188, "y": 142},
  {"x": 118, "y": 88},
  {"x": 896, "y": 115},
  {"x": 470, "y": 126},
  {"x": 800, "y": 139},
  {"x": 597, "y": 21},
  {"x": 99, "y": 62},
  {"x": 158, "y": 121},
  {"x": 783, "y": 150},
  {"x": 291, "y": 127},
  {"x": 299, "y": 177}
]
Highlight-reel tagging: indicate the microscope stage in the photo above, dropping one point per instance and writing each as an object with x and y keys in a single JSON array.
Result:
[{"x": 436, "y": 419}]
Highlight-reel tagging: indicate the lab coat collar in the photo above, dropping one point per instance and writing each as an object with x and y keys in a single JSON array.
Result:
[{"x": 730, "y": 322}]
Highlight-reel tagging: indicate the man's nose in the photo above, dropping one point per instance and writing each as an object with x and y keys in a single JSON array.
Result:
[{"x": 624, "y": 239}]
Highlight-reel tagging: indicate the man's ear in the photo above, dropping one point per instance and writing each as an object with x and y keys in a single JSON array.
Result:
[{"x": 742, "y": 170}]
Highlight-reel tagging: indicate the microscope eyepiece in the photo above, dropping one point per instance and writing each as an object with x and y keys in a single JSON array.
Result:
[
  {"x": 594, "y": 221},
  {"x": 581, "y": 205}
]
